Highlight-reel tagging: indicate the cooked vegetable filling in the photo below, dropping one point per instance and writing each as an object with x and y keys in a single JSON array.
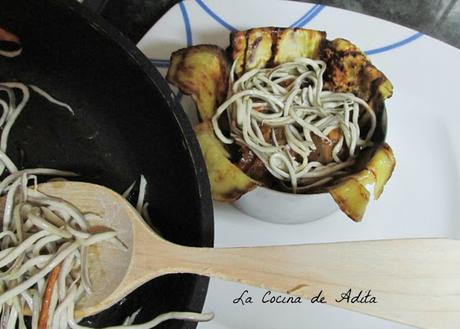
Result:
[{"x": 304, "y": 135}]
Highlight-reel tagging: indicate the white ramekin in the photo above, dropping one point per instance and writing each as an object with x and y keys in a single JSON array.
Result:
[{"x": 285, "y": 208}]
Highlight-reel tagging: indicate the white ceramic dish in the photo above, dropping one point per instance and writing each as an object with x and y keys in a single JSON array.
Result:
[
  {"x": 422, "y": 197},
  {"x": 285, "y": 208}
]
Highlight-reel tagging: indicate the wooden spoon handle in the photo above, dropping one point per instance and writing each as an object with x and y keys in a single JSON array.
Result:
[{"x": 414, "y": 281}]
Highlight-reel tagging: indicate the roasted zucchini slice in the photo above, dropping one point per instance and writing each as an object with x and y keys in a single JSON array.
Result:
[
  {"x": 227, "y": 181},
  {"x": 202, "y": 72}
]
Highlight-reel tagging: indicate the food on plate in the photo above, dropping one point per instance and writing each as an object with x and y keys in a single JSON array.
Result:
[
  {"x": 291, "y": 111},
  {"x": 268, "y": 47},
  {"x": 352, "y": 196},
  {"x": 302, "y": 134},
  {"x": 45, "y": 241},
  {"x": 382, "y": 165},
  {"x": 227, "y": 180},
  {"x": 202, "y": 72}
]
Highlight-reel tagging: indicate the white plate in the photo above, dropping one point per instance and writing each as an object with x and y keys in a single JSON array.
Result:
[{"x": 420, "y": 200}]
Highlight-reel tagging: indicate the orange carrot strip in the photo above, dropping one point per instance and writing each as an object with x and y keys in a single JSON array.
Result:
[
  {"x": 44, "y": 311},
  {"x": 8, "y": 36}
]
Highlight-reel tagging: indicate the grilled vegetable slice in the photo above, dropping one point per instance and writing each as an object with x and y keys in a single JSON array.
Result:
[
  {"x": 294, "y": 43},
  {"x": 228, "y": 182},
  {"x": 365, "y": 177},
  {"x": 202, "y": 72},
  {"x": 238, "y": 49},
  {"x": 382, "y": 165},
  {"x": 271, "y": 46},
  {"x": 352, "y": 198},
  {"x": 351, "y": 194},
  {"x": 349, "y": 70},
  {"x": 258, "y": 50}
]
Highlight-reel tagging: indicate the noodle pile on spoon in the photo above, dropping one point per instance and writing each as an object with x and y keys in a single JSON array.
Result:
[
  {"x": 44, "y": 240},
  {"x": 42, "y": 235},
  {"x": 278, "y": 113}
]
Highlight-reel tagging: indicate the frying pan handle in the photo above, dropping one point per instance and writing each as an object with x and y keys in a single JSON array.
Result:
[{"x": 413, "y": 281}]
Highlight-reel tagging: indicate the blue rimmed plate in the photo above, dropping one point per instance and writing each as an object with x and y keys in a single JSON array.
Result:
[{"x": 422, "y": 197}]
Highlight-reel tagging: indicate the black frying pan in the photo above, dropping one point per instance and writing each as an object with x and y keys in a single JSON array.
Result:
[{"x": 126, "y": 124}]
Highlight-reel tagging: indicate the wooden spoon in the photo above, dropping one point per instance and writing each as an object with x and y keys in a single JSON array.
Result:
[{"x": 414, "y": 281}]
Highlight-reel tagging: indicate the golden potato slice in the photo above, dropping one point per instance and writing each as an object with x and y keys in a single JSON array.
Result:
[
  {"x": 227, "y": 181},
  {"x": 202, "y": 72},
  {"x": 295, "y": 43},
  {"x": 352, "y": 198},
  {"x": 382, "y": 165}
]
